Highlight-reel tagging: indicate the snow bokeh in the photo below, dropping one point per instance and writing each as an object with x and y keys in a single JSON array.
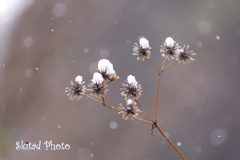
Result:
[
  {"x": 113, "y": 125},
  {"x": 28, "y": 42},
  {"x": 59, "y": 10}
]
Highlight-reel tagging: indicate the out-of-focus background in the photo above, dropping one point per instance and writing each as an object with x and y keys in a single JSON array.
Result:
[{"x": 46, "y": 43}]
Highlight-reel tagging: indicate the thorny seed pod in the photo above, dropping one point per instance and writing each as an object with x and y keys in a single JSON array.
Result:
[
  {"x": 77, "y": 89},
  {"x": 183, "y": 55},
  {"x": 131, "y": 88},
  {"x": 130, "y": 110},
  {"x": 142, "y": 50},
  {"x": 169, "y": 48},
  {"x": 98, "y": 88}
]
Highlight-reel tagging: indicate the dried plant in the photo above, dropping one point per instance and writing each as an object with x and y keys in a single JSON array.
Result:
[{"x": 132, "y": 89}]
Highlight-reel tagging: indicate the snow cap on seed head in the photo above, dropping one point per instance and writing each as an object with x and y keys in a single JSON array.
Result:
[
  {"x": 111, "y": 71},
  {"x": 132, "y": 80},
  {"x": 106, "y": 66},
  {"x": 169, "y": 42},
  {"x": 129, "y": 101},
  {"x": 144, "y": 43},
  {"x": 78, "y": 79},
  {"x": 97, "y": 78},
  {"x": 181, "y": 50}
]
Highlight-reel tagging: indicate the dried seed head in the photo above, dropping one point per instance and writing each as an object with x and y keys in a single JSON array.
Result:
[
  {"x": 169, "y": 48},
  {"x": 184, "y": 55},
  {"x": 77, "y": 89},
  {"x": 142, "y": 50},
  {"x": 98, "y": 88},
  {"x": 131, "y": 88},
  {"x": 130, "y": 110}
]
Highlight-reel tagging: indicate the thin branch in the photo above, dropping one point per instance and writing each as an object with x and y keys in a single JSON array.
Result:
[
  {"x": 117, "y": 109},
  {"x": 164, "y": 63},
  {"x": 170, "y": 142},
  {"x": 143, "y": 111},
  {"x": 169, "y": 65},
  {"x": 103, "y": 100},
  {"x": 92, "y": 98},
  {"x": 158, "y": 88},
  {"x": 155, "y": 64},
  {"x": 157, "y": 97},
  {"x": 159, "y": 74}
]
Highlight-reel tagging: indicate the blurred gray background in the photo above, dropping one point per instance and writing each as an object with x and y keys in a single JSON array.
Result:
[{"x": 46, "y": 44}]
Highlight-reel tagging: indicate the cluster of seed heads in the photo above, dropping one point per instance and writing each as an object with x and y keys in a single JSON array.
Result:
[{"x": 131, "y": 90}]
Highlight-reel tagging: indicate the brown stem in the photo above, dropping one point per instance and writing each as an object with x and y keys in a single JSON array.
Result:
[
  {"x": 140, "y": 120},
  {"x": 170, "y": 142},
  {"x": 143, "y": 111},
  {"x": 169, "y": 65},
  {"x": 117, "y": 109},
  {"x": 103, "y": 100},
  {"x": 164, "y": 63},
  {"x": 159, "y": 74},
  {"x": 155, "y": 64},
  {"x": 157, "y": 97}
]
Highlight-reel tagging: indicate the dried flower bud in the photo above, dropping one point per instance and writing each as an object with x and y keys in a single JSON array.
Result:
[
  {"x": 131, "y": 88},
  {"x": 142, "y": 50},
  {"x": 98, "y": 88},
  {"x": 169, "y": 48},
  {"x": 77, "y": 89},
  {"x": 184, "y": 55},
  {"x": 130, "y": 110}
]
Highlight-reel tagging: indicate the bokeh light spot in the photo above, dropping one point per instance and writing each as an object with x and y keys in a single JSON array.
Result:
[
  {"x": 113, "y": 125},
  {"x": 217, "y": 137},
  {"x": 59, "y": 10},
  {"x": 28, "y": 42}
]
